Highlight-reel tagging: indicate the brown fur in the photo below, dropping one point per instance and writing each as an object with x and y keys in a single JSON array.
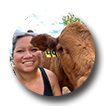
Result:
[
  {"x": 76, "y": 54},
  {"x": 44, "y": 41}
]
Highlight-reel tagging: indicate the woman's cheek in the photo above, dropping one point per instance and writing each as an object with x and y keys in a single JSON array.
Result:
[
  {"x": 17, "y": 59},
  {"x": 38, "y": 55}
]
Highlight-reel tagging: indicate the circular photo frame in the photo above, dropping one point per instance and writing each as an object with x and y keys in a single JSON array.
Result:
[{"x": 74, "y": 59}]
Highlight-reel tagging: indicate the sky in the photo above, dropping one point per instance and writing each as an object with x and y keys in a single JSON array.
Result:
[{"x": 42, "y": 21}]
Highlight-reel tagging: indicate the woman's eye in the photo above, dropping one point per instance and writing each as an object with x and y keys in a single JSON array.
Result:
[
  {"x": 20, "y": 51},
  {"x": 34, "y": 49}
]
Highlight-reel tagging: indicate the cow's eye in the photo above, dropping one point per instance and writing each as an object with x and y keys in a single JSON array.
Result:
[{"x": 60, "y": 49}]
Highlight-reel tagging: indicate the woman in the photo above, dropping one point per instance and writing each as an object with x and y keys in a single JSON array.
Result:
[{"x": 27, "y": 59}]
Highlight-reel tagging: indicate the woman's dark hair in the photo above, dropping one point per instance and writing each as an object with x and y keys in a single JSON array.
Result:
[
  {"x": 15, "y": 39},
  {"x": 30, "y": 31}
]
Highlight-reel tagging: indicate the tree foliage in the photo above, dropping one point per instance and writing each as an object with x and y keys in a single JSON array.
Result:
[
  {"x": 11, "y": 59},
  {"x": 70, "y": 18}
]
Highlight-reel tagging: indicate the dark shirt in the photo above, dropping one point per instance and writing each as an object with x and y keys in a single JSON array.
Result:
[{"x": 47, "y": 88}]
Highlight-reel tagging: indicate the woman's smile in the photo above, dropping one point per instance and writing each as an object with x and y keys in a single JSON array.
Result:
[{"x": 28, "y": 63}]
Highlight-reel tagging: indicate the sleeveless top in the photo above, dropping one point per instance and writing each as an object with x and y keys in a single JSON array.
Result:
[{"x": 47, "y": 87}]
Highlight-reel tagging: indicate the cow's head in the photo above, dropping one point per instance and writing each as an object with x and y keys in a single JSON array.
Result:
[{"x": 74, "y": 47}]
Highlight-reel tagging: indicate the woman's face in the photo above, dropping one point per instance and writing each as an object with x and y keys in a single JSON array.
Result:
[{"x": 27, "y": 58}]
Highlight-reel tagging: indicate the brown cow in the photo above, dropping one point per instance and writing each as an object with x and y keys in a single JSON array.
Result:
[{"x": 76, "y": 54}]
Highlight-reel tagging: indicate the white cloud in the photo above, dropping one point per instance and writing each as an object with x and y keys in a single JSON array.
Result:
[{"x": 43, "y": 22}]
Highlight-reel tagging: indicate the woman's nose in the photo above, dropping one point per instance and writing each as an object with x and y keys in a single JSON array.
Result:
[{"x": 27, "y": 55}]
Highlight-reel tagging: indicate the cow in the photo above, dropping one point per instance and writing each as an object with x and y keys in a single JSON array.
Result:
[{"x": 76, "y": 54}]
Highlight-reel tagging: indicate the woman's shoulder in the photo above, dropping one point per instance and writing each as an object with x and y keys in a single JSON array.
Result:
[
  {"x": 53, "y": 82},
  {"x": 49, "y": 73},
  {"x": 51, "y": 76}
]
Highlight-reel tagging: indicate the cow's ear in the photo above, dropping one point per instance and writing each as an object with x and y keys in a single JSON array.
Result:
[
  {"x": 40, "y": 41},
  {"x": 52, "y": 42},
  {"x": 44, "y": 41}
]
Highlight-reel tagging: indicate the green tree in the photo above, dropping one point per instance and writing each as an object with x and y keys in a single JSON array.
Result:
[
  {"x": 11, "y": 59},
  {"x": 70, "y": 18}
]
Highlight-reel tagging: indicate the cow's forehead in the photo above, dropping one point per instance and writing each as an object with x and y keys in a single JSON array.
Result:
[
  {"x": 72, "y": 28},
  {"x": 73, "y": 35}
]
